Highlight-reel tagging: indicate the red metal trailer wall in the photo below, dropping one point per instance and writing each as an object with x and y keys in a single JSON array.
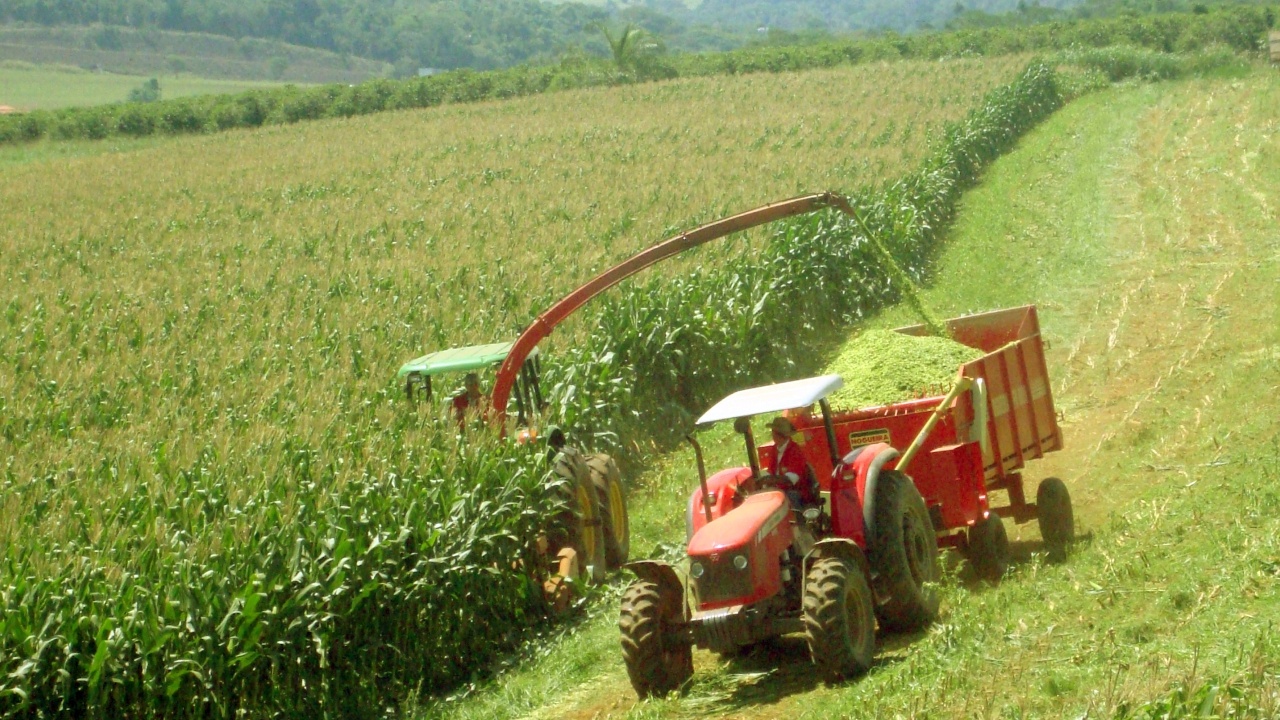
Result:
[
  {"x": 952, "y": 470},
  {"x": 1021, "y": 421}
]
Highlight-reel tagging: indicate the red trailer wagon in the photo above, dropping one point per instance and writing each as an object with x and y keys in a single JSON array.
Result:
[{"x": 962, "y": 448}]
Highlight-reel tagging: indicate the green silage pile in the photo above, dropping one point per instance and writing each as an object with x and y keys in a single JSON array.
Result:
[{"x": 882, "y": 366}]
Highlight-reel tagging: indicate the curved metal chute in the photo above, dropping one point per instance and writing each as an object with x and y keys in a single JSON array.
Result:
[{"x": 542, "y": 326}]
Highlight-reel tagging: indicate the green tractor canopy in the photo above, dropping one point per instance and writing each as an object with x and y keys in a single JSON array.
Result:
[{"x": 419, "y": 371}]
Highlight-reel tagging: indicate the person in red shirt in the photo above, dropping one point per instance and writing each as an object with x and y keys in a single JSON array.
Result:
[
  {"x": 794, "y": 475},
  {"x": 470, "y": 400}
]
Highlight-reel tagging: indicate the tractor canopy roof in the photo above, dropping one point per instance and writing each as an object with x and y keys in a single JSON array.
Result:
[
  {"x": 772, "y": 398},
  {"x": 459, "y": 359}
]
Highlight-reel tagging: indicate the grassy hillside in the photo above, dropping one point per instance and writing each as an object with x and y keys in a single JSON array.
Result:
[
  {"x": 32, "y": 87},
  {"x": 151, "y": 52},
  {"x": 199, "y": 412},
  {"x": 1141, "y": 221}
]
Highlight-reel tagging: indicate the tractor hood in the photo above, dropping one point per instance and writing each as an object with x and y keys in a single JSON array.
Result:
[{"x": 758, "y": 516}]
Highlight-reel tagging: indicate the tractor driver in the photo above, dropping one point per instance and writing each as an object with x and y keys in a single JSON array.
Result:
[
  {"x": 470, "y": 400},
  {"x": 794, "y": 475}
]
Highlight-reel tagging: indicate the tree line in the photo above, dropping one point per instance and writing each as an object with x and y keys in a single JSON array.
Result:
[
  {"x": 445, "y": 34},
  {"x": 489, "y": 34}
]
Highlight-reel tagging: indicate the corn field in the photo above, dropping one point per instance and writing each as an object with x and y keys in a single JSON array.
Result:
[{"x": 214, "y": 501}]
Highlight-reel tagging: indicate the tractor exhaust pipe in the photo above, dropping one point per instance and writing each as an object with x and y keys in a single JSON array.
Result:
[
  {"x": 702, "y": 474},
  {"x": 743, "y": 426}
]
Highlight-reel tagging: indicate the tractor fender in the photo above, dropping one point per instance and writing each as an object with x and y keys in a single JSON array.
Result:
[
  {"x": 662, "y": 575},
  {"x": 841, "y": 548},
  {"x": 883, "y": 455}
]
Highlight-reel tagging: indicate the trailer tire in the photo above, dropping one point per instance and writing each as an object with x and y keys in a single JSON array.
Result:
[
  {"x": 1055, "y": 516},
  {"x": 988, "y": 549},
  {"x": 903, "y": 555},
  {"x": 614, "y": 518},
  {"x": 839, "y": 619},
  {"x": 655, "y": 664}
]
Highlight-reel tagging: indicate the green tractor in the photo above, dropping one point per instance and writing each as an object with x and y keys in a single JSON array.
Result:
[{"x": 593, "y": 535}]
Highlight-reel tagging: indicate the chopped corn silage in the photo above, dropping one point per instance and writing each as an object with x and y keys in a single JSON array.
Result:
[{"x": 880, "y": 367}]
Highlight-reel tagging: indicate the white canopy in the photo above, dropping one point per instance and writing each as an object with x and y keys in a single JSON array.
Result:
[{"x": 772, "y": 398}]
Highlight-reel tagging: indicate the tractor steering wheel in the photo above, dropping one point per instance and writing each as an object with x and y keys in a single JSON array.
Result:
[{"x": 769, "y": 481}]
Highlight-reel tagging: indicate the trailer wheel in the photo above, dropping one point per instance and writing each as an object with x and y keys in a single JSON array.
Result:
[
  {"x": 988, "y": 549},
  {"x": 613, "y": 509},
  {"x": 839, "y": 619},
  {"x": 656, "y": 662},
  {"x": 903, "y": 555},
  {"x": 1056, "y": 519}
]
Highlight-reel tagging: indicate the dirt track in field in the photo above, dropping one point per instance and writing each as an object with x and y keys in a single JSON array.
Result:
[{"x": 1173, "y": 309}]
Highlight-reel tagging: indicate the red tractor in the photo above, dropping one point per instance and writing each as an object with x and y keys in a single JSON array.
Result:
[{"x": 867, "y": 552}]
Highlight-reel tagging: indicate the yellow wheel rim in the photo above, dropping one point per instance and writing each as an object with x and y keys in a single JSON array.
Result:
[
  {"x": 618, "y": 512},
  {"x": 587, "y": 509}
]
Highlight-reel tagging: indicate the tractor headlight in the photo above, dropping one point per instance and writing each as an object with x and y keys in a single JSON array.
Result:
[
  {"x": 696, "y": 570},
  {"x": 740, "y": 562}
]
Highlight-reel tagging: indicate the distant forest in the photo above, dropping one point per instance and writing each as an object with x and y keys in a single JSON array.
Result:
[
  {"x": 499, "y": 33},
  {"x": 845, "y": 16}
]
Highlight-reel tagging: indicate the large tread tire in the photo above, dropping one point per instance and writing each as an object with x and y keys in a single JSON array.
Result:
[
  {"x": 903, "y": 555},
  {"x": 1055, "y": 517},
  {"x": 655, "y": 665},
  {"x": 839, "y": 619},
  {"x": 616, "y": 522},
  {"x": 988, "y": 549},
  {"x": 580, "y": 525}
]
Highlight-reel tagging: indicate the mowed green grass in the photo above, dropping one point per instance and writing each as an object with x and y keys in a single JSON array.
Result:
[
  {"x": 1141, "y": 221},
  {"x": 41, "y": 88}
]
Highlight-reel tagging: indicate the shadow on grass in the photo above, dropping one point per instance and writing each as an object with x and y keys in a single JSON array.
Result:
[
  {"x": 1021, "y": 552},
  {"x": 775, "y": 669}
]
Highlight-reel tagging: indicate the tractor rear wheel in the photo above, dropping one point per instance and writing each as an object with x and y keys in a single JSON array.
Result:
[
  {"x": 613, "y": 509},
  {"x": 904, "y": 555},
  {"x": 839, "y": 619},
  {"x": 656, "y": 662},
  {"x": 988, "y": 549},
  {"x": 1057, "y": 520},
  {"x": 579, "y": 525}
]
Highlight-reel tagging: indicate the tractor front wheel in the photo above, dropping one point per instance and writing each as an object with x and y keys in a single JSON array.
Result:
[
  {"x": 839, "y": 619},
  {"x": 657, "y": 663},
  {"x": 1056, "y": 518},
  {"x": 988, "y": 549},
  {"x": 904, "y": 555}
]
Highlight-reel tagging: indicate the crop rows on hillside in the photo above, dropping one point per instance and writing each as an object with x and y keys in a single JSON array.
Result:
[{"x": 155, "y": 285}]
